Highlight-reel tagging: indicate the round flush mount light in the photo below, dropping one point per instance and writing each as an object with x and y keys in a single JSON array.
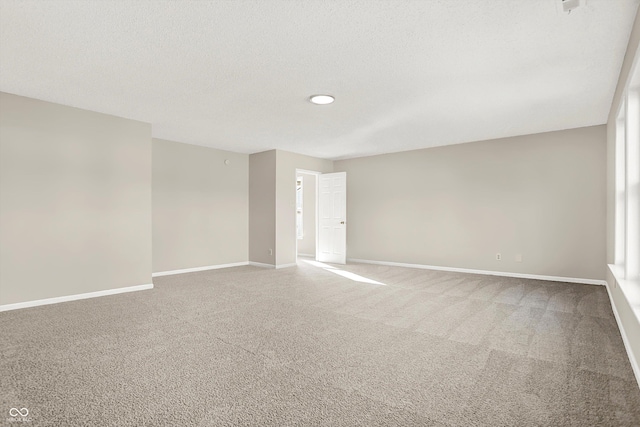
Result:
[{"x": 321, "y": 99}]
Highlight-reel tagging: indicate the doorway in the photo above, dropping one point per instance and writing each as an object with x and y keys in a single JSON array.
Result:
[
  {"x": 321, "y": 216},
  {"x": 306, "y": 213}
]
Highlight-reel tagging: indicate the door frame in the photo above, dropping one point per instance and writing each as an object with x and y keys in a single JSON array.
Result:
[{"x": 317, "y": 176}]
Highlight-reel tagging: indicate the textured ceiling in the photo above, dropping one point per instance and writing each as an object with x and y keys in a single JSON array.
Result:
[{"x": 236, "y": 75}]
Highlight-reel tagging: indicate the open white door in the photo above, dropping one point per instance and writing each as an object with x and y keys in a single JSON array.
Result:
[{"x": 332, "y": 218}]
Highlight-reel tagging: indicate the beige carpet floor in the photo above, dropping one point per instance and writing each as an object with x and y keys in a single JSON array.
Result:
[{"x": 315, "y": 346}]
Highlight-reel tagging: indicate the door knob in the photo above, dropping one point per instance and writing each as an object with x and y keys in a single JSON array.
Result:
[{"x": 341, "y": 222}]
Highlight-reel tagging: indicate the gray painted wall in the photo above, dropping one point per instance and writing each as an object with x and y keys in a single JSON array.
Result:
[
  {"x": 628, "y": 317},
  {"x": 307, "y": 245},
  {"x": 272, "y": 204},
  {"x": 200, "y": 206},
  {"x": 262, "y": 207},
  {"x": 75, "y": 201},
  {"x": 541, "y": 196}
]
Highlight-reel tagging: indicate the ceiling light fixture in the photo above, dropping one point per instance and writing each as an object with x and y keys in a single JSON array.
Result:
[{"x": 322, "y": 99}]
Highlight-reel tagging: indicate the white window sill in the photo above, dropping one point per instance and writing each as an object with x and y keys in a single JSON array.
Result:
[{"x": 630, "y": 288}]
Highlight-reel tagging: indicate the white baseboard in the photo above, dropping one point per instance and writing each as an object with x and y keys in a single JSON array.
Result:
[
  {"x": 307, "y": 255},
  {"x": 279, "y": 266},
  {"x": 191, "y": 270},
  {"x": 286, "y": 265},
  {"x": 66, "y": 298},
  {"x": 487, "y": 272},
  {"x": 261, "y": 265}
]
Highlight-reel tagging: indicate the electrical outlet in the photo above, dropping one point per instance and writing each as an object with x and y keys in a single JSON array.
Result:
[
  {"x": 498, "y": 257},
  {"x": 270, "y": 251}
]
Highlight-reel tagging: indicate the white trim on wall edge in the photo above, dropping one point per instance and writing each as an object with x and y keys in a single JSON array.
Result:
[
  {"x": 191, "y": 270},
  {"x": 261, "y": 265},
  {"x": 632, "y": 360},
  {"x": 75, "y": 297},
  {"x": 487, "y": 272}
]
